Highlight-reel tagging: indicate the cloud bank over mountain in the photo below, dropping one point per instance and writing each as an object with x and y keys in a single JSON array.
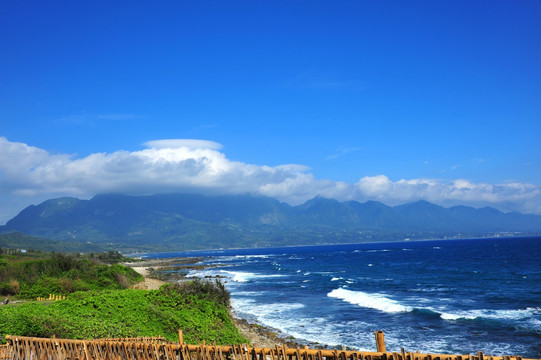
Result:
[{"x": 29, "y": 174}]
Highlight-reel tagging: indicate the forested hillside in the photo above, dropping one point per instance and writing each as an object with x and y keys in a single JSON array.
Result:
[{"x": 190, "y": 221}]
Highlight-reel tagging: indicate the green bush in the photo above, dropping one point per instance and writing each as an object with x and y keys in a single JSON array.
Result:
[
  {"x": 10, "y": 287},
  {"x": 125, "y": 313},
  {"x": 61, "y": 274},
  {"x": 211, "y": 290},
  {"x": 110, "y": 257}
]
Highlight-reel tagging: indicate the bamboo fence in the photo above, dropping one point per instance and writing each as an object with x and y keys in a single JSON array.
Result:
[{"x": 30, "y": 348}]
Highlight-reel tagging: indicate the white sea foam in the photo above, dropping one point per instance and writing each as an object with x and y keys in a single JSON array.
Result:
[
  {"x": 253, "y": 256},
  {"x": 522, "y": 314},
  {"x": 419, "y": 300},
  {"x": 249, "y": 293},
  {"x": 262, "y": 311},
  {"x": 533, "y": 324},
  {"x": 336, "y": 278},
  {"x": 240, "y": 276},
  {"x": 456, "y": 316},
  {"x": 201, "y": 273},
  {"x": 435, "y": 289},
  {"x": 222, "y": 259},
  {"x": 366, "y": 300},
  {"x": 285, "y": 318}
]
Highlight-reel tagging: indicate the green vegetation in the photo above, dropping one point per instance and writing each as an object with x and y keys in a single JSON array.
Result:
[
  {"x": 18, "y": 240},
  {"x": 60, "y": 275},
  {"x": 99, "y": 305},
  {"x": 110, "y": 257},
  {"x": 199, "y": 308}
]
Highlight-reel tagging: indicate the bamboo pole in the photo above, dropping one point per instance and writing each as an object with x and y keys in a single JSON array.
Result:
[{"x": 380, "y": 341}]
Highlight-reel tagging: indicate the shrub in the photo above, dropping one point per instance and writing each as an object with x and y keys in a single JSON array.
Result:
[
  {"x": 211, "y": 290},
  {"x": 10, "y": 287},
  {"x": 62, "y": 274},
  {"x": 67, "y": 286},
  {"x": 122, "y": 280}
]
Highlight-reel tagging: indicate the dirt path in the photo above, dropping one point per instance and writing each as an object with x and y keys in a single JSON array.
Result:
[{"x": 148, "y": 283}]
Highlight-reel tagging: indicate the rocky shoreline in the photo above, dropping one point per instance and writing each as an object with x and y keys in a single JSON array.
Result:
[{"x": 160, "y": 271}]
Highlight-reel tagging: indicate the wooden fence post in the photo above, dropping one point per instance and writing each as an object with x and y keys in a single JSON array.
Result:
[
  {"x": 180, "y": 337},
  {"x": 380, "y": 341}
]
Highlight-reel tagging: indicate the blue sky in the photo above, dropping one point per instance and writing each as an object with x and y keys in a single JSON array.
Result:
[{"x": 394, "y": 101}]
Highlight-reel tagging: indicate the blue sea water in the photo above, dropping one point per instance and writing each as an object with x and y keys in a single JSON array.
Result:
[{"x": 448, "y": 296}]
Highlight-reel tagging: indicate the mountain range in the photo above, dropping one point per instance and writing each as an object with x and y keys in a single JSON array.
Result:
[{"x": 191, "y": 221}]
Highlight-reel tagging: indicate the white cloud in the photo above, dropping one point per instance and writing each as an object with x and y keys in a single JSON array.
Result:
[
  {"x": 189, "y": 165},
  {"x": 507, "y": 197}
]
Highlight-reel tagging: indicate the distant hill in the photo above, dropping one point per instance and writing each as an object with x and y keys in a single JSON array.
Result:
[
  {"x": 190, "y": 221},
  {"x": 18, "y": 240}
]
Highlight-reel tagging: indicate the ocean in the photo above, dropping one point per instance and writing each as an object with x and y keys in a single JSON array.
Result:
[{"x": 446, "y": 296}]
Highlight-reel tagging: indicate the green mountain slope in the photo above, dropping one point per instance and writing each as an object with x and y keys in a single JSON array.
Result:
[{"x": 190, "y": 221}]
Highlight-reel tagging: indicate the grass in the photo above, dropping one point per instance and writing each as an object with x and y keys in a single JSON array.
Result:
[
  {"x": 129, "y": 313},
  {"x": 99, "y": 303},
  {"x": 60, "y": 274}
]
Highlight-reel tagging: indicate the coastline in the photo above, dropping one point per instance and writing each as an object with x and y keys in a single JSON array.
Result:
[
  {"x": 446, "y": 310},
  {"x": 158, "y": 272}
]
